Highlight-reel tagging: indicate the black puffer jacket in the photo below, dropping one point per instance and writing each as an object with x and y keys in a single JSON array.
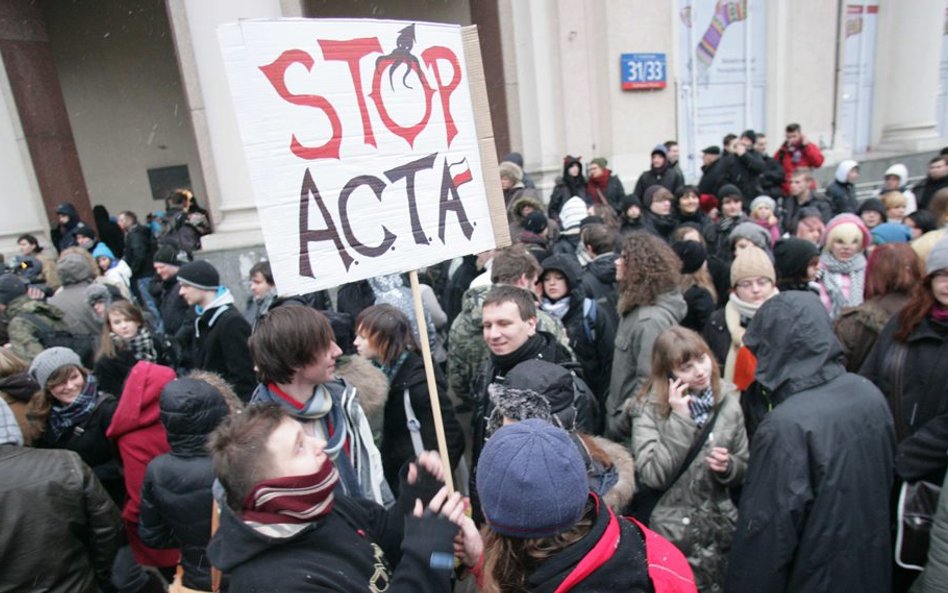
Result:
[
  {"x": 176, "y": 494},
  {"x": 397, "y": 447},
  {"x": 59, "y": 531},
  {"x": 923, "y": 437},
  {"x": 820, "y": 469}
]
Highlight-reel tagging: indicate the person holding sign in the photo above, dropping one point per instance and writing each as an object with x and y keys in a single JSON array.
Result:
[
  {"x": 295, "y": 354},
  {"x": 285, "y": 527}
]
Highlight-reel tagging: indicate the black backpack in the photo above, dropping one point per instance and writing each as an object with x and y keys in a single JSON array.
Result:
[{"x": 49, "y": 337}]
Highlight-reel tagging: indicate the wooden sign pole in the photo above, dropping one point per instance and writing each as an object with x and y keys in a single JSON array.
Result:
[{"x": 432, "y": 383}]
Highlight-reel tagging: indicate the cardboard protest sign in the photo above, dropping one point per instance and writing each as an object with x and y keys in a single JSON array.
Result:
[{"x": 368, "y": 144}]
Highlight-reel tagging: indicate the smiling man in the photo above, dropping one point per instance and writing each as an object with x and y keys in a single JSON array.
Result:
[
  {"x": 294, "y": 351},
  {"x": 285, "y": 526},
  {"x": 509, "y": 321}
]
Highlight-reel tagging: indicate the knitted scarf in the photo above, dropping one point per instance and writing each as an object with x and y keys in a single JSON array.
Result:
[
  {"x": 294, "y": 499},
  {"x": 596, "y": 187},
  {"x": 391, "y": 370},
  {"x": 740, "y": 364},
  {"x": 700, "y": 406},
  {"x": 558, "y": 308},
  {"x": 141, "y": 344},
  {"x": 939, "y": 313},
  {"x": 833, "y": 271},
  {"x": 319, "y": 407},
  {"x": 63, "y": 418}
]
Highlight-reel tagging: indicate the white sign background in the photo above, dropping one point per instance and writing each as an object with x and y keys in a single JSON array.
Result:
[{"x": 268, "y": 123}]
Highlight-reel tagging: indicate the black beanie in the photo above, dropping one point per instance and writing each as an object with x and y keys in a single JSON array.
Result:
[
  {"x": 167, "y": 254},
  {"x": 729, "y": 190},
  {"x": 874, "y": 205},
  {"x": 535, "y": 222},
  {"x": 692, "y": 255},
  {"x": 792, "y": 256},
  {"x": 199, "y": 274}
]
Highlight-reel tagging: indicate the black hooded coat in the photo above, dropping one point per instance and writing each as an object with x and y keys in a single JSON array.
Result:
[{"x": 814, "y": 513}]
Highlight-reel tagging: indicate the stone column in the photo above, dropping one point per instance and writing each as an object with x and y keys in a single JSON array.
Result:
[
  {"x": 194, "y": 25},
  {"x": 908, "y": 53},
  {"x": 39, "y": 163}
]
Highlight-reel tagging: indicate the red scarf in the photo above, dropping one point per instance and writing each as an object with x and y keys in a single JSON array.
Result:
[
  {"x": 295, "y": 499},
  {"x": 596, "y": 187},
  {"x": 940, "y": 313},
  {"x": 744, "y": 368}
]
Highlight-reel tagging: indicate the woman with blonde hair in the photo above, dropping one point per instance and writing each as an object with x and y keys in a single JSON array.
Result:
[{"x": 690, "y": 447}]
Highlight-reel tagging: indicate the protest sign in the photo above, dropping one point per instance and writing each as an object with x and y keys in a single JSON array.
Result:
[{"x": 368, "y": 144}]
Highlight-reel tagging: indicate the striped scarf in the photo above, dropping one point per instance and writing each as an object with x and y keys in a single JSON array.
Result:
[
  {"x": 294, "y": 499},
  {"x": 141, "y": 345},
  {"x": 700, "y": 406},
  {"x": 63, "y": 418}
]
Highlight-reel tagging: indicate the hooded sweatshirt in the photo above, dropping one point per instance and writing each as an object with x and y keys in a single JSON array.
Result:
[{"x": 841, "y": 193}]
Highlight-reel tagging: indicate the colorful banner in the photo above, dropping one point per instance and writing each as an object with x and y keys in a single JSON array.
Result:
[{"x": 363, "y": 146}]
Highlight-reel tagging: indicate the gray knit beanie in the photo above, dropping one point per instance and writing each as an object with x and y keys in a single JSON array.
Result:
[
  {"x": 937, "y": 257},
  {"x": 49, "y": 361}
]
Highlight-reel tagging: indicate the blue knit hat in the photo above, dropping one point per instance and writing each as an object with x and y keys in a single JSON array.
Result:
[
  {"x": 531, "y": 480},
  {"x": 890, "y": 232}
]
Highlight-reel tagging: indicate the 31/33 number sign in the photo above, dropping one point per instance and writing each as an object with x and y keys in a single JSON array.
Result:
[{"x": 643, "y": 71}]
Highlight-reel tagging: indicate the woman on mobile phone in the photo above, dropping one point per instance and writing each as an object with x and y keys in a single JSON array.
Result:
[{"x": 689, "y": 444}]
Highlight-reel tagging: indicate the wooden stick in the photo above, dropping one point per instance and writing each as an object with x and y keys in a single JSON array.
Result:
[{"x": 432, "y": 383}]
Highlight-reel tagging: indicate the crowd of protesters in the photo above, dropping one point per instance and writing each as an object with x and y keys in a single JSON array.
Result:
[{"x": 734, "y": 385}]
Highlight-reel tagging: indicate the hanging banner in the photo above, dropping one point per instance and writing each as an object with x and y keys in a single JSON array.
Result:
[{"x": 368, "y": 143}]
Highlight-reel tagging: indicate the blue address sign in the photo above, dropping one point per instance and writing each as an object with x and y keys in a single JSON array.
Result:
[{"x": 643, "y": 71}]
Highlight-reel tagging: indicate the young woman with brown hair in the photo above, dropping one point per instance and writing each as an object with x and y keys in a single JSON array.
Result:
[{"x": 686, "y": 405}]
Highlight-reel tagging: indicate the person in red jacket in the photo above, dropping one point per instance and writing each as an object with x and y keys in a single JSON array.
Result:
[
  {"x": 797, "y": 152},
  {"x": 138, "y": 434}
]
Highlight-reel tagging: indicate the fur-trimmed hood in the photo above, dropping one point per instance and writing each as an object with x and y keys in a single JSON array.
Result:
[
  {"x": 371, "y": 385},
  {"x": 620, "y": 495}
]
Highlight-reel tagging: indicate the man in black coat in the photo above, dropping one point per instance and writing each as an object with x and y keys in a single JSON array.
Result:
[
  {"x": 283, "y": 528},
  {"x": 659, "y": 174},
  {"x": 59, "y": 530},
  {"x": 177, "y": 317},
  {"x": 220, "y": 336},
  {"x": 140, "y": 249},
  {"x": 714, "y": 172},
  {"x": 937, "y": 179},
  {"x": 815, "y": 505},
  {"x": 772, "y": 178}
]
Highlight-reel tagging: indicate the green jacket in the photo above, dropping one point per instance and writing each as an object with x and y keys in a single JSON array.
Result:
[
  {"x": 24, "y": 336},
  {"x": 695, "y": 513}
]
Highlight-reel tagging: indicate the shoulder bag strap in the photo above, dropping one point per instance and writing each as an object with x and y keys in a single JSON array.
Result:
[
  {"x": 697, "y": 446},
  {"x": 414, "y": 427}
]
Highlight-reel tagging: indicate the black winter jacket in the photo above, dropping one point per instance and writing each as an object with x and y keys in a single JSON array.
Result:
[
  {"x": 176, "y": 494},
  {"x": 396, "y": 447},
  {"x": 220, "y": 346},
  {"x": 140, "y": 248},
  {"x": 842, "y": 196},
  {"x": 713, "y": 177},
  {"x": 743, "y": 171},
  {"x": 772, "y": 178},
  {"x": 95, "y": 449},
  {"x": 923, "y": 433},
  {"x": 599, "y": 282},
  {"x": 669, "y": 178},
  {"x": 792, "y": 208},
  {"x": 59, "y": 530},
  {"x": 358, "y": 547},
  {"x": 174, "y": 310},
  {"x": 820, "y": 469}
]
